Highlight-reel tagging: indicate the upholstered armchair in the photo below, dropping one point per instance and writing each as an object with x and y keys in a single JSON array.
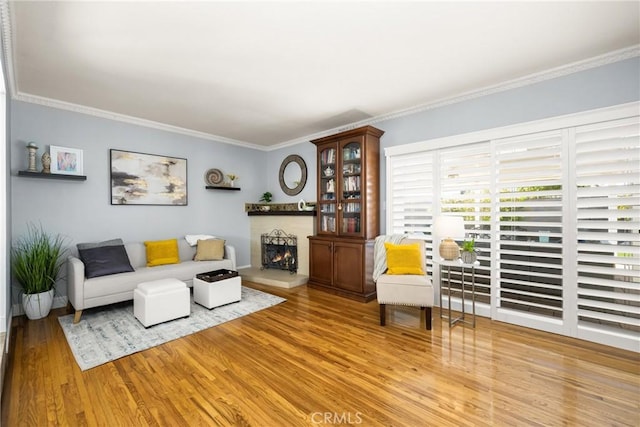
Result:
[{"x": 400, "y": 275}]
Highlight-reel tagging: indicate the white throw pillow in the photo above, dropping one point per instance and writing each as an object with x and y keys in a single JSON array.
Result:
[{"x": 192, "y": 239}]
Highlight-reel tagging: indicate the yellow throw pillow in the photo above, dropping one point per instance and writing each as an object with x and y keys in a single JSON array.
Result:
[
  {"x": 162, "y": 252},
  {"x": 210, "y": 250},
  {"x": 404, "y": 259}
]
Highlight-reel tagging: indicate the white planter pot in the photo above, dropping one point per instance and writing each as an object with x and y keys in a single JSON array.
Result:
[
  {"x": 468, "y": 257},
  {"x": 37, "y": 306}
]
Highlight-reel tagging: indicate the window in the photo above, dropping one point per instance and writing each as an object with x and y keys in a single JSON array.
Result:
[
  {"x": 555, "y": 211},
  {"x": 608, "y": 243},
  {"x": 528, "y": 217},
  {"x": 465, "y": 182},
  {"x": 411, "y": 189}
]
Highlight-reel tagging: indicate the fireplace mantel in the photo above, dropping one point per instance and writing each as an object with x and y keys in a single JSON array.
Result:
[
  {"x": 277, "y": 209},
  {"x": 282, "y": 213}
]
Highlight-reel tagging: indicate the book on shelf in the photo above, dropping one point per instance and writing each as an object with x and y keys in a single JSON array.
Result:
[
  {"x": 328, "y": 156},
  {"x": 351, "y": 225},
  {"x": 328, "y": 223},
  {"x": 351, "y": 183}
]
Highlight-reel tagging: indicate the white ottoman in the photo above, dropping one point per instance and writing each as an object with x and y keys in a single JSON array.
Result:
[
  {"x": 217, "y": 288},
  {"x": 161, "y": 300}
]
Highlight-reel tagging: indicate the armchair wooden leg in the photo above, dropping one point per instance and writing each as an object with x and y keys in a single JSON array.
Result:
[
  {"x": 427, "y": 317},
  {"x": 76, "y": 317},
  {"x": 383, "y": 314}
]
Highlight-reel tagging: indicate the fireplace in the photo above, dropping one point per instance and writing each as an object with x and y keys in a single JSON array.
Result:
[{"x": 279, "y": 250}]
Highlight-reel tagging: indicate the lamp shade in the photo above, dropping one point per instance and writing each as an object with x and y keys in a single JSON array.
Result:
[{"x": 448, "y": 228}]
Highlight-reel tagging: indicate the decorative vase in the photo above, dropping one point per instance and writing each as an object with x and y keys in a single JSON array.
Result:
[
  {"x": 231, "y": 183},
  {"x": 37, "y": 306},
  {"x": 468, "y": 257},
  {"x": 46, "y": 163},
  {"x": 32, "y": 148},
  {"x": 449, "y": 250}
]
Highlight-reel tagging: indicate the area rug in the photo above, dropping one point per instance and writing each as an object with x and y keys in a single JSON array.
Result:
[{"x": 109, "y": 333}]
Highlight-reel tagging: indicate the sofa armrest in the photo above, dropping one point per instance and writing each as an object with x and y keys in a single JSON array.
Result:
[
  {"x": 75, "y": 282},
  {"x": 230, "y": 253}
]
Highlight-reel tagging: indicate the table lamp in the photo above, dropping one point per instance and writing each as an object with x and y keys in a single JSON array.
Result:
[{"x": 451, "y": 227}]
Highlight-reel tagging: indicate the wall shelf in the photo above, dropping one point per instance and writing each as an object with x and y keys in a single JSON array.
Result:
[
  {"x": 221, "y": 187},
  {"x": 52, "y": 176}
]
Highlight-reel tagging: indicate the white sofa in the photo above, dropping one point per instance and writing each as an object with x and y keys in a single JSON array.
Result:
[{"x": 87, "y": 293}]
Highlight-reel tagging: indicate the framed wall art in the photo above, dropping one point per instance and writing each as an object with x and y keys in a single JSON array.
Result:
[
  {"x": 65, "y": 161},
  {"x": 147, "y": 179}
]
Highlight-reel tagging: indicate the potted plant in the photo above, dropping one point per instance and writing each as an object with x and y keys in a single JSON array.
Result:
[
  {"x": 37, "y": 258},
  {"x": 232, "y": 178},
  {"x": 468, "y": 253},
  {"x": 266, "y": 198}
]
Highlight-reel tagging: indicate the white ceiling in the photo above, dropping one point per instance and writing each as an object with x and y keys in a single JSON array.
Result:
[{"x": 273, "y": 73}]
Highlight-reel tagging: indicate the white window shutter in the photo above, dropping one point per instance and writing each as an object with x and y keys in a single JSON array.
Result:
[
  {"x": 608, "y": 222},
  {"x": 529, "y": 234}
]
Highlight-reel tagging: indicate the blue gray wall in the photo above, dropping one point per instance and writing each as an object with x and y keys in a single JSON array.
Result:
[
  {"x": 273, "y": 161},
  {"x": 81, "y": 210},
  {"x": 600, "y": 87}
]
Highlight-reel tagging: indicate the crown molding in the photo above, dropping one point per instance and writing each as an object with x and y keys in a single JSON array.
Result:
[
  {"x": 564, "y": 70},
  {"x": 7, "y": 47},
  {"x": 82, "y": 109}
]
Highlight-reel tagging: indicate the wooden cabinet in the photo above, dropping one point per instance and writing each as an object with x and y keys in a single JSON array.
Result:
[
  {"x": 321, "y": 261},
  {"x": 348, "y": 183},
  {"x": 342, "y": 266},
  {"x": 341, "y": 254}
]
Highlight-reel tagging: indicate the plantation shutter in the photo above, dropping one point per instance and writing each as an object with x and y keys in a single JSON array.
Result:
[
  {"x": 529, "y": 232},
  {"x": 608, "y": 222},
  {"x": 410, "y": 190},
  {"x": 465, "y": 184},
  {"x": 555, "y": 211}
]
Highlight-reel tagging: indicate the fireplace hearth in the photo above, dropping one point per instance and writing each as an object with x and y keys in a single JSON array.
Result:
[{"x": 279, "y": 250}]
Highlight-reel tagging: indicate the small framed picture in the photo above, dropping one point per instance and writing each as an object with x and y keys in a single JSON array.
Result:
[{"x": 65, "y": 161}]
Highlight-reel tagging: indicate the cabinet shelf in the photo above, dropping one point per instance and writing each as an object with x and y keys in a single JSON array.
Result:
[
  {"x": 52, "y": 176},
  {"x": 221, "y": 187}
]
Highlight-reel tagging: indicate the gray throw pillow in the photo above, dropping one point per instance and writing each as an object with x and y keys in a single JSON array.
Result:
[
  {"x": 105, "y": 260},
  {"x": 112, "y": 242}
]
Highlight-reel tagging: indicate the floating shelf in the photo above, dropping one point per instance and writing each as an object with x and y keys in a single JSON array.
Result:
[
  {"x": 52, "y": 176},
  {"x": 221, "y": 187}
]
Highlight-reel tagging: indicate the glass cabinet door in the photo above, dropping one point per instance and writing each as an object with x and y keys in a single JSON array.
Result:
[
  {"x": 350, "y": 187},
  {"x": 327, "y": 190}
]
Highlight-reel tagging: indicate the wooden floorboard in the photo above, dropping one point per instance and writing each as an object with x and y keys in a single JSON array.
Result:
[{"x": 319, "y": 359}]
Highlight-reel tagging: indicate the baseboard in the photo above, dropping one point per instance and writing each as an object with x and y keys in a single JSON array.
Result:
[{"x": 58, "y": 302}]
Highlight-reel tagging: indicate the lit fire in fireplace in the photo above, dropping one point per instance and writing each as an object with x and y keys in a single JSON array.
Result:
[
  {"x": 280, "y": 257},
  {"x": 280, "y": 251}
]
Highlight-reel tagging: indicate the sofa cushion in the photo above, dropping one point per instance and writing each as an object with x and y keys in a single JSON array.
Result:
[
  {"x": 403, "y": 259},
  {"x": 210, "y": 250},
  {"x": 104, "y": 260},
  {"x": 161, "y": 252}
]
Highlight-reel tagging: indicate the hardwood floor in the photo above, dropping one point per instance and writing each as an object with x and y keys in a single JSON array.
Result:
[{"x": 319, "y": 359}]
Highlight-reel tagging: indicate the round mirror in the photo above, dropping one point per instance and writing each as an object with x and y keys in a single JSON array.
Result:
[{"x": 293, "y": 174}]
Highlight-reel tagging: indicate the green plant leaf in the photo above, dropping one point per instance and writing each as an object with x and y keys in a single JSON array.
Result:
[{"x": 37, "y": 259}]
